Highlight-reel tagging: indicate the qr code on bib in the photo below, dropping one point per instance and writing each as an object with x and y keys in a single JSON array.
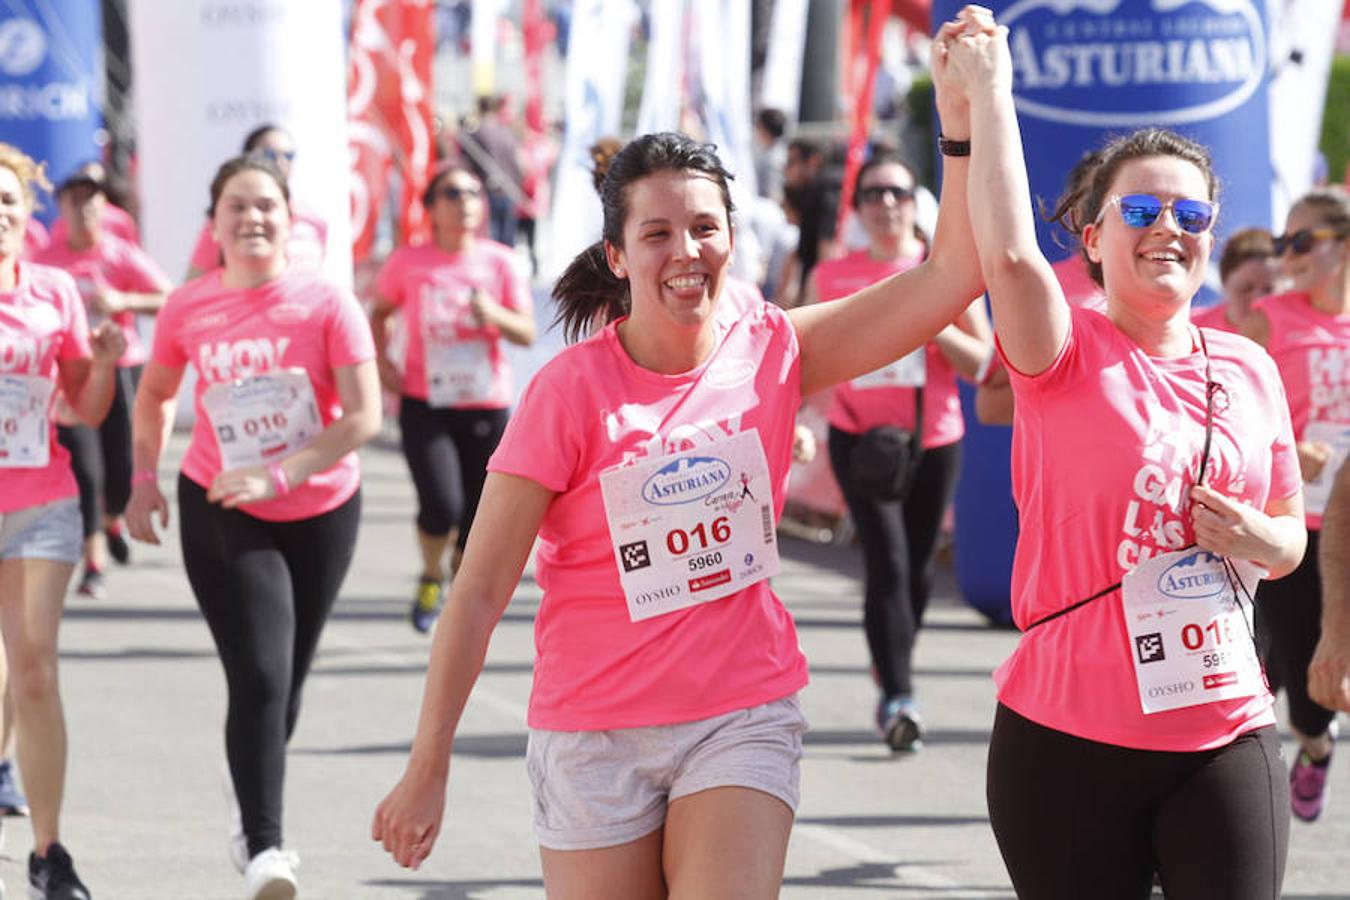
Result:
[
  {"x": 1150, "y": 647},
  {"x": 635, "y": 556}
]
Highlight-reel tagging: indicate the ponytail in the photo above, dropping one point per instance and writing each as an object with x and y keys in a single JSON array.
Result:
[{"x": 589, "y": 294}]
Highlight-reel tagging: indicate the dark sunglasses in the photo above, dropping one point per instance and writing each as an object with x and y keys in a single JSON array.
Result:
[
  {"x": 277, "y": 156},
  {"x": 1142, "y": 210},
  {"x": 459, "y": 193},
  {"x": 876, "y": 193},
  {"x": 1302, "y": 241}
]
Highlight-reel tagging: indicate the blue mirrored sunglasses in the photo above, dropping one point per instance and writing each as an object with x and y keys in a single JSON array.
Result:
[{"x": 1142, "y": 210}]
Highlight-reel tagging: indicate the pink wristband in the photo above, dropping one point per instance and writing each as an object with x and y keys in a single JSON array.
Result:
[
  {"x": 143, "y": 476},
  {"x": 279, "y": 481}
]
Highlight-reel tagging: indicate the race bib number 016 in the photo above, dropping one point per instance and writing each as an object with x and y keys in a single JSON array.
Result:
[
  {"x": 262, "y": 418},
  {"x": 692, "y": 527},
  {"x": 1190, "y": 637},
  {"x": 24, "y": 433}
]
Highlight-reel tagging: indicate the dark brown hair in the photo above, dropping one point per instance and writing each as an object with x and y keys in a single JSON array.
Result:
[
  {"x": 1081, "y": 205},
  {"x": 442, "y": 172},
  {"x": 588, "y": 292},
  {"x": 248, "y": 162},
  {"x": 1243, "y": 247},
  {"x": 1331, "y": 205}
]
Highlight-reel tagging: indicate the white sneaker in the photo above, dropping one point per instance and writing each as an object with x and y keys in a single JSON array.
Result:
[
  {"x": 271, "y": 875},
  {"x": 238, "y": 846}
]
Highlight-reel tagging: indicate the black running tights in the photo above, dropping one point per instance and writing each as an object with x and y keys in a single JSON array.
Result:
[
  {"x": 265, "y": 589},
  {"x": 101, "y": 457}
]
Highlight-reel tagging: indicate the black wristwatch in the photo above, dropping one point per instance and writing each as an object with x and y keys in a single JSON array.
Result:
[{"x": 949, "y": 147}]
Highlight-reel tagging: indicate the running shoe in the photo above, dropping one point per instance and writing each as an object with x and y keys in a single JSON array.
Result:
[
  {"x": 53, "y": 877},
  {"x": 426, "y": 604},
  {"x": 92, "y": 585},
  {"x": 118, "y": 548},
  {"x": 900, "y": 726},
  {"x": 271, "y": 875},
  {"x": 12, "y": 800},
  {"x": 1308, "y": 787}
]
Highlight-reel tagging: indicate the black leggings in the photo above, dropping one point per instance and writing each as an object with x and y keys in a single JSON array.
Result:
[
  {"x": 1290, "y": 610},
  {"x": 1080, "y": 819},
  {"x": 265, "y": 589},
  {"x": 100, "y": 457},
  {"x": 899, "y": 542},
  {"x": 447, "y": 452}
]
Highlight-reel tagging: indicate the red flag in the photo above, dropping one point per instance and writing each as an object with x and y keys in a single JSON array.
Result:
[
  {"x": 862, "y": 58},
  {"x": 389, "y": 113}
]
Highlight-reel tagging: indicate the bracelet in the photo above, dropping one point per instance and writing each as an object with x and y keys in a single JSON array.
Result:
[
  {"x": 143, "y": 476},
  {"x": 279, "y": 480},
  {"x": 949, "y": 147}
]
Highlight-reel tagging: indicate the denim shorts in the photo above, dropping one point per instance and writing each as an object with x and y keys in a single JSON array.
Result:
[
  {"x": 604, "y": 788},
  {"x": 46, "y": 531}
]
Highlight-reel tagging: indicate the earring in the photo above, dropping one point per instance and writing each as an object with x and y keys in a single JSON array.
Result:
[{"x": 620, "y": 272}]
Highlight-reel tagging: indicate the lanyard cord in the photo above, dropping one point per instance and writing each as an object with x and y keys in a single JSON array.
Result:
[{"x": 1211, "y": 386}]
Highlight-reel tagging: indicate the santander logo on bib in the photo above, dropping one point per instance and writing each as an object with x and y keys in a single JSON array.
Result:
[
  {"x": 685, "y": 479},
  {"x": 1195, "y": 576},
  {"x": 1118, "y": 63}
]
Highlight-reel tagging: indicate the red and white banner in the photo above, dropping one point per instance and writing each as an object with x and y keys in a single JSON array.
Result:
[
  {"x": 862, "y": 55},
  {"x": 389, "y": 114}
]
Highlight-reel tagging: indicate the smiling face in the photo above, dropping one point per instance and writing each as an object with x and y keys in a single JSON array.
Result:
[
  {"x": 456, "y": 204},
  {"x": 251, "y": 220},
  {"x": 1324, "y": 263},
  {"x": 676, "y": 245},
  {"x": 1154, "y": 270},
  {"x": 885, "y": 215},
  {"x": 14, "y": 212}
]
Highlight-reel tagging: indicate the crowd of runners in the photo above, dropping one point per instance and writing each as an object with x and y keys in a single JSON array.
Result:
[{"x": 1174, "y": 470}]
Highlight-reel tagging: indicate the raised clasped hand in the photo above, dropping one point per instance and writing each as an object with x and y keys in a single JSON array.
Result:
[{"x": 971, "y": 54}]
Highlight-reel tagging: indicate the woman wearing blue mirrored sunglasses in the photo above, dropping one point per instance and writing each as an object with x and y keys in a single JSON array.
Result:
[{"x": 1153, "y": 462}]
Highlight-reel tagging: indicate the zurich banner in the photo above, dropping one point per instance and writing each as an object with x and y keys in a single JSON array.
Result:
[
  {"x": 1084, "y": 71},
  {"x": 49, "y": 105}
]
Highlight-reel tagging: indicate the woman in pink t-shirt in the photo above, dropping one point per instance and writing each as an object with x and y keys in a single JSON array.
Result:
[
  {"x": 898, "y": 534},
  {"x": 1307, "y": 332},
  {"x": 117, "y": 281},
  {"x": 1155, "y": 476},
  {"x": 1247, "y": 272},
  {"x": 462, "y": 298},
  {"x": 269, "y": 494},
  {"x": 650, "y": 460},
  {"x": 45, "y": 345}
]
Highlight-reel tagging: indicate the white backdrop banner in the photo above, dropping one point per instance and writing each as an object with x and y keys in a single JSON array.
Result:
[
  {"x": 781, "y": 84},
  {"x": 207, "y": 73},
  {"x": 597, "y": 67}
]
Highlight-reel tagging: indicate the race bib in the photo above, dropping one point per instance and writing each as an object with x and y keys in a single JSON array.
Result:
[
  {"x": 691, "y": 527},
  {"x": 459, "y": 372},
  {"x": 1190, "y": 637},
  {"x": 25, "y": 434},
  {"x": 263, "y": 418},
  {"x": 1318, "y": 491},
  {"x": 907, "y": 371}
]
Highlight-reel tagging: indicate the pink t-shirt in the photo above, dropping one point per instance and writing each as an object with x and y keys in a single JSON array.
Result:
[
  {"x": 41, "y": 323},
  {"x": 296, "y": 321},
  {"x": 1312, "y": 350},
  {"x": 114, "y": 263},
  {"x": 116, "y": 221},
  {"x": 1106, "y": 444},
  {"x": 854, "y": 409},
  {"x": 1214, "y": 316},
  {"x": 35, "y": 239},
  {"x": 305, "y": 247},
  {"x": 1078, "y": 287},
  {"x": 589, "y": 410},
  {"x": 433, "y": 289}
]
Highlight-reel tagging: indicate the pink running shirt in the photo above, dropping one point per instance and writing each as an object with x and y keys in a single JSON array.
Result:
[
  {"x": 857, "y": 410},
  {"x": 35, "y": 239},
  {"x": 590, "y": 409},
  {"x": 433, "y": 288},
  {"x": 1106, "y": 444},
  {"x": 296, "y": 321},
  {"x": 1312, "y": 350},
  {"x": 41, "y": 323},
  {"x": 1214, "y": 316},
  {"x": 118, "y": 265},
  {"x": 305, "y": 248}
]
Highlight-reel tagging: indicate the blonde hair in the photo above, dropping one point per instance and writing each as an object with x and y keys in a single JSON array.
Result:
[{"x": 31, "y": 174}]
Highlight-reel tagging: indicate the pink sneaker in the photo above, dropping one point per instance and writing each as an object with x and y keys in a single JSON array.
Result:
[{"x": 1308, "y": 788}]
